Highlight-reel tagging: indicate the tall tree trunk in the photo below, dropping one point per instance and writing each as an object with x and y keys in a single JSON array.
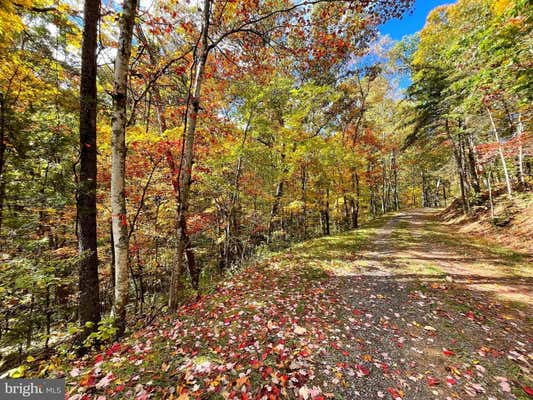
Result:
[
  {"x": 489, "y": 186},
  {"x": 460, "y": 169},
  {"x": 326, "y": 214},
  {"x": 520, "y": 152},
  {"x": 89, "y": 298},
  {"x": 304, "y": 202},
  {"x": 502, "y": 156},
  {"x": 274, "y": 211},
  {"x": 200, "y": 59},
  {"x": 2, "y": 156},
  {"x": 232, "y": 248},
  {"x": 437, "y": 193},
  {"x": 354, "y": 203},
  {"x": 424, "y": 191},
  {"x": 395, "y": 179},
  {"x": 194, "y": 270},
  {"x": 118, "y": 165},
  {"x": 383, "y": 183},
  {"x": 472, "y": 165}
]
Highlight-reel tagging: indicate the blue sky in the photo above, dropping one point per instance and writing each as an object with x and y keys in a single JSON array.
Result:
[{"x": 411, "y": 23}]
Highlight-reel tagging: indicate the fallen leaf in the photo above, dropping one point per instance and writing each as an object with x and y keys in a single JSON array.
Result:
[
  {"x": 447, "y": 352},
  {"x": 299, "y": 330},
  {"x": 432, "y": 381}
]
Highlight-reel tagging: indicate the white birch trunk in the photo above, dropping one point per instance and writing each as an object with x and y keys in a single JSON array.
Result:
[
  {"x": 502, "y": 157},
  {"x": 118, "y": 165}
]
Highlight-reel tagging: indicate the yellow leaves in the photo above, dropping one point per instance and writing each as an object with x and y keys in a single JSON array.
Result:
[
  {"x": 17, "y": 372},
  {"x": 499, "y": 7},
  {"x": 295, "y": 207}
]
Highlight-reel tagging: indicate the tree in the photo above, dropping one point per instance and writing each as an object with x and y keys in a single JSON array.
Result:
[
  {"x": 118, "y": 165},
  {"x": 89, "y": 301},
  {"x": 260, "y": 27}
]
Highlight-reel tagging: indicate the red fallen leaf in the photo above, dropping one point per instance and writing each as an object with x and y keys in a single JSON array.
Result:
[
  {"x": 451, "y": 381},
  {"x": 447, "y": 352},
  {"x": 244, "y": 396},
  {"x": 394, "y": 393},
  {"x": 88, "y": 380},
  {"x": 356, "y": 312},
  {"x": 528, "y": 390},
  {"x": 113, "y": 349},
  {"x": 470, "y": 315},
  {"x": 364, "y": 370},
  {"x": 99, "y": 358},
  {"x": 432, "y": 381},
  {"x": 305, "y": 353}
]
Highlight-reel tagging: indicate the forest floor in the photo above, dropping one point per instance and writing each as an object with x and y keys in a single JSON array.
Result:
[
  {"x": 403, "y": 308},
  {"x": 512, "y": 223}
]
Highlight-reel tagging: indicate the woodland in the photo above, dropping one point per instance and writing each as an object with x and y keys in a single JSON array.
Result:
[{"x": 186, "y": 187}]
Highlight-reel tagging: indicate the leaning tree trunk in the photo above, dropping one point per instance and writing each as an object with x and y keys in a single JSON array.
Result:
[
  {"x": 118, "y": 165},
  {"x": 502, "y": 157},
  {"x": 89, "y": 298},
  {"x": 183, "y": 244}
]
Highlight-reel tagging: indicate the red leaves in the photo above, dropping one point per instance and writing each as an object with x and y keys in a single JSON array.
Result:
[
  {"x": 113, "y": 349},
  {"x": 432, "y": 381},
  {"x": 356, "y": 312},
  {"x": 528, "y": 390},
  {"x": 364, "y": 370},
  {"x": 451, "y": 381},
  {"x": 88, "y": 380},
  {"x": 394, "y": 393},
  {"x": 447, "y": 352}
]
